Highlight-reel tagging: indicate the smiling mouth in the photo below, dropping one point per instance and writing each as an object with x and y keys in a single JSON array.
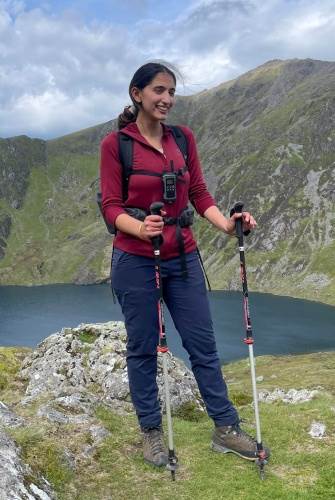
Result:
[{"x": 162, "y": 110}]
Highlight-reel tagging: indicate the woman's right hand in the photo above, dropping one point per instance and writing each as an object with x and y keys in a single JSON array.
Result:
[{"x": 151, "y": 226}]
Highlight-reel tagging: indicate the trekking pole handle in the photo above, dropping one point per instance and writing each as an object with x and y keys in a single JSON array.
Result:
[
  {"x": 155, "y": 209},
  {"x": 237, "y": 209}
]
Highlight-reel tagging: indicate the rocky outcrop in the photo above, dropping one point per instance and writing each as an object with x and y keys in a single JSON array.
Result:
[
  {"x": 80, "y": 367},
  {"x": 68, "y": 376}
]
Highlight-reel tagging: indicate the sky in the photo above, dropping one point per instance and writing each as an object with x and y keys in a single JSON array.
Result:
[{"x": 66, "y": 65}]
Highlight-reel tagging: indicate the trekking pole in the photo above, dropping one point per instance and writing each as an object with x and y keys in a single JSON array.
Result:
[
  {"x": 249, "y": 340},
  {"x": 155, "y": 209}
]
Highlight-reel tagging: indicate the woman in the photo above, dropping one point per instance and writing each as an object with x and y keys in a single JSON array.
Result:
[{"x": 155, "y": 152}]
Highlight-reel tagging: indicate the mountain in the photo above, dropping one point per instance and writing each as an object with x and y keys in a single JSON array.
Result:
[{"x": 267, "y": 137}]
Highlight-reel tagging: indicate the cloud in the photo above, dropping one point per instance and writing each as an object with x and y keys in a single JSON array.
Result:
[
  {"x": 56, "y": 111},
  {"x": 60, "y": 73}
]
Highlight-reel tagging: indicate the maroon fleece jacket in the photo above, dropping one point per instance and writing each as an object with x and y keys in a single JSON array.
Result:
[{"x": 144, "y": 190}]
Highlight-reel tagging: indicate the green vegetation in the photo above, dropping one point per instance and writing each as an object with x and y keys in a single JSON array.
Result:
[
  {"x": 53, "y": 235},
  {"x": 190, "y": 412},
  {"x": 44, "y": 455},
  {"x": 10, "y": 361},
  {"x": 300, "y": 467},
  {"x": 88, "y": 337},
  {"x": 321, "y": 261}
]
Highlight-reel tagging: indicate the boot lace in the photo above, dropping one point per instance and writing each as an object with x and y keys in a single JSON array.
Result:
[
  {"x": 156, "y": 441},
  {"x": 242, "y": 434}
]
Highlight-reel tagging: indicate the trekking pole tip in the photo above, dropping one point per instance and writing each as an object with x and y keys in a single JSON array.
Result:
[
  {"x": 261, "y": 462},
  {"x": 172, "y": 465},
  {"x": 262, "y": 471}
]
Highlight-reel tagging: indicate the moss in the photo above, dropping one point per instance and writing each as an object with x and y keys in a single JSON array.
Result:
[
  {"x": 87, "y": 337},
  {"x": 190, "y": 412},
  {"x": 240, "y": 398},
  {"x": 94, "y": 388},
  {"x": 44, "y": 455},
  {"x": 85, "y": 361}
]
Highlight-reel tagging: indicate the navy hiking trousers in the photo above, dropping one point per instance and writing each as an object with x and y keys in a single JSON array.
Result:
[{"x": 133, "y": 279}]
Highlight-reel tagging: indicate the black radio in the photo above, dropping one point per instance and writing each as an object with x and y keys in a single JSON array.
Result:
[{"x": 169, "y": 187}]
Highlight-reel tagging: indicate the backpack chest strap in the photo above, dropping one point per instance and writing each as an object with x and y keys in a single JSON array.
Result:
[{"x": 178, "y": 173}]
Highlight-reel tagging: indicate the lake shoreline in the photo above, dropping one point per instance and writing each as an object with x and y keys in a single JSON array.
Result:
[
  {"x": 281, "y": 325},
  {"x": 106, "y": 281}
]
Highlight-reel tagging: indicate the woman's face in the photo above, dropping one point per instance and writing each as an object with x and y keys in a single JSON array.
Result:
[{"x": 157, "y": 98}]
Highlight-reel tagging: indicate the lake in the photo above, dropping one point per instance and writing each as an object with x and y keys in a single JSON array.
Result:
[{"x": 281, "y": 325}]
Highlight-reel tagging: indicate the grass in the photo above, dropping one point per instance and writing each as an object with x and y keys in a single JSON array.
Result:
[
  {"x": 44, "y": 454},
  {"x": 300, "y": 466},
  {"x": 321, "y": 262},
  {"x": 10, "y": 361}
]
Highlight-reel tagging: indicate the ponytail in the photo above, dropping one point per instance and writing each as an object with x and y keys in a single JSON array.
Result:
[{"x": 128, "y": 115}]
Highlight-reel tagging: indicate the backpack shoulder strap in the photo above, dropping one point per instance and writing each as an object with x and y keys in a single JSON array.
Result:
[
  {"x": 126, "y": 145},
  {"x": 181, "y": 140}
]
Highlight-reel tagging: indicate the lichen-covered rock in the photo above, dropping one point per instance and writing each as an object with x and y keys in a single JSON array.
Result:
[
  {"x": 80, "y": 367},
  {"x": 8, "y": 418},
  {"x": 317, "y": 430},
  {"x": 293, "y": 396},
  {"x": 14, "y": 474},
  {"x": 98, "y": 433}
]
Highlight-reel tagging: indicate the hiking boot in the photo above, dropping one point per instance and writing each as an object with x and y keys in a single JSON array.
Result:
[
  {"x": 154, "y": 450},
  {"x": 231, "y": 438}
]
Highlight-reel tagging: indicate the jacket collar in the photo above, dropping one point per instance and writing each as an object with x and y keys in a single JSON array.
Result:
[{"x": 132, "y": 130}]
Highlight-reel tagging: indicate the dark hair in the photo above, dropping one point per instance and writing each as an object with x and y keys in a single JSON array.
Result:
[{"x": 142, "y": 77}]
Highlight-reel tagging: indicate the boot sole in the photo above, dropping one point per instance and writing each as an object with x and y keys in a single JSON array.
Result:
[
  {"x": 223, "y": 449},
  {"x": 155, "y": 465}
]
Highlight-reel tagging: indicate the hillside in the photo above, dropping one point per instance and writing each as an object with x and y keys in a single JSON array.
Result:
[{"x": 267, "y": 137}]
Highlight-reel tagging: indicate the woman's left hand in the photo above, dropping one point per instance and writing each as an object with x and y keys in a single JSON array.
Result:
[{"x": 249, "y": 222}]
